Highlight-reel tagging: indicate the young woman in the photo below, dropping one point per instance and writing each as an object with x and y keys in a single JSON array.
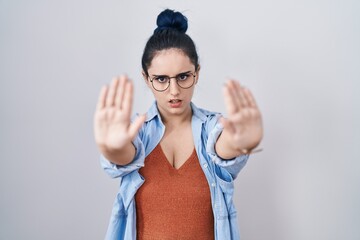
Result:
[{"x": 177, "y": 163}]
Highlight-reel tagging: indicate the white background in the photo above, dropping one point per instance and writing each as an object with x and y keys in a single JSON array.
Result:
[{"x": 301, "y": 59}]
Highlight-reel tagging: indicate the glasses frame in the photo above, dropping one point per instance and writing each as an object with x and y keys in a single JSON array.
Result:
[{"x": 169, "y": 79}]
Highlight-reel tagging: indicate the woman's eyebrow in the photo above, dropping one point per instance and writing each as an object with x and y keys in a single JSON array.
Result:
[
  {"x": 160, "y": 75},
  {"x": 163, "y": 75},
  {"x": 184, "y": 72}
]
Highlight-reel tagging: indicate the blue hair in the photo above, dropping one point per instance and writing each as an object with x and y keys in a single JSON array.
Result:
[{"x": 169, "y": 19}]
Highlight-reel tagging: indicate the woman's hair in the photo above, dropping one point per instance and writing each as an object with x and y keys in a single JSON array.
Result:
[{"x": 170, "y": 33}]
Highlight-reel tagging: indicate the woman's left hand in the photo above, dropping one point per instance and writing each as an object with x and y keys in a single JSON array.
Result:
[{"x": 243, "y": 125}]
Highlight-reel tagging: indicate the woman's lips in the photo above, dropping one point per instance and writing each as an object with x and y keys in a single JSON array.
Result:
[{"x": 175, "y": 103}]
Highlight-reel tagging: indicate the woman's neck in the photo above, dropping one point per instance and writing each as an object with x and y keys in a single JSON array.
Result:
[{"x": 170, "y": 120}]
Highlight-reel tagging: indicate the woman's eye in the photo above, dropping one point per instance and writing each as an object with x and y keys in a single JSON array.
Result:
[
  {"x": 161, "y": 79},
  {"x": 183, "y": 77}
]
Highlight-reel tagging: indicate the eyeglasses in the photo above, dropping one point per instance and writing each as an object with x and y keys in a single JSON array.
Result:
[{"x": 162, "y": 82}]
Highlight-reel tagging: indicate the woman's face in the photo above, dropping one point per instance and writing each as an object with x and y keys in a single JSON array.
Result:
[{"x": 174, "y": 100}]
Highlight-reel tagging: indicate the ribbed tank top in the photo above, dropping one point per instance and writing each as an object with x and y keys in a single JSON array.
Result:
[{"x": 173, "y": 203}]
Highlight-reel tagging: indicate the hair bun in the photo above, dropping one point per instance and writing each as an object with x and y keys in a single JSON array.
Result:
[{"x": 169, "y": 19}]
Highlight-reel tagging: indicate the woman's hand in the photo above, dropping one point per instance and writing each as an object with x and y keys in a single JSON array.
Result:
[
  {"x": 243, "y": 128},
  {"x": 112, "y": 127}
]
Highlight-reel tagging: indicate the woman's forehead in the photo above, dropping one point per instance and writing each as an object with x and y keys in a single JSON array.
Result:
[{"x": 170, "y": 61}]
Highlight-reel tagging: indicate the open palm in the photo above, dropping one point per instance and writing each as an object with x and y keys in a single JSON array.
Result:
[
  {"x": 244, "y": 122},
  {"x": 112, "y": 127}
]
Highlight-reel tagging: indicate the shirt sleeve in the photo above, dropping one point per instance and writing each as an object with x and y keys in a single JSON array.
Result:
[
  {"x": 115, "y": 171},
  {"x": 232, "y": 166}
]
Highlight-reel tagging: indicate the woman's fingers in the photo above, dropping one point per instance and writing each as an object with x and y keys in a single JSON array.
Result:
[
  {"x": 102, "y": 98},
  {"x": 119, "y": 98},
  {"x": 250, "y": 98},
  {"x": 230, "y": 105},
  {"x": 238, "y": 97},
  {"x": 115, "y": 94},
  {"x": 112, "y": 92},
  {"x": 241, "y": 94},
  {"x": 234, "y": 94},
  {"x": 128, "y": 98},
  {"x": 136, "y": 125},
  {"x": 235, "y": 97}
]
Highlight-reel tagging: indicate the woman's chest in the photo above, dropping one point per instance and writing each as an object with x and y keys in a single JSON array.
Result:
[{"x": 177, "y": 146}]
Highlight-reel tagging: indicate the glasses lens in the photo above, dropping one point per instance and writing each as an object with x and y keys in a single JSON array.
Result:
[
  {"x": 160, "y": 83},
  {"x": 185, "y": 80}
]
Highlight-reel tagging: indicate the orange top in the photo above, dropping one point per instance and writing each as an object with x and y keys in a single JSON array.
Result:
[{"x": 173, "y": 203}]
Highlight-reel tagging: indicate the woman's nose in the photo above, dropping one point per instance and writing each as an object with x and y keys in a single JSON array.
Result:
[{"x": 174, "y": 87}]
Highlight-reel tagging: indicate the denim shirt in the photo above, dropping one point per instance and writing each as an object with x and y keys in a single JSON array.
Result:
[{"x": 219, "y": 173}]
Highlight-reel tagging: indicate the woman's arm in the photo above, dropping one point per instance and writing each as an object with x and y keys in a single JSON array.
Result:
[
  {"x": 243, "y": 128},
  {"x": 112, "y": 128}
]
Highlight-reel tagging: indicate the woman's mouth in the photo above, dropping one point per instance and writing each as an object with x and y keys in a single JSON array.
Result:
[{"x": 175, "y": 103}]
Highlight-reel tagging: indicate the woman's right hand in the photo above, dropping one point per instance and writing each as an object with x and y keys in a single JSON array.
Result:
[{"x": 112, "y": 127}]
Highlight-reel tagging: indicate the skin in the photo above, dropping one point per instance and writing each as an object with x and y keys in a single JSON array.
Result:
[{"x": 113, "y": 131}]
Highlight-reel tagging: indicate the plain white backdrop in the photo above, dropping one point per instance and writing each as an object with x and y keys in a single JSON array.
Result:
[{"x": 301, "y": 59}]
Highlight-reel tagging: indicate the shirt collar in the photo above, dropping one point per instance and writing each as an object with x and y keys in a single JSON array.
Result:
[
  {"x": 152, "y": 112},
  {"x": 198, "y": 113}
]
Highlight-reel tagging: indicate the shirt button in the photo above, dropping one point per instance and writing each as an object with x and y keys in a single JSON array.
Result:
[
  {"x": 213, "y": 184},
  {"x": 205, "y": 165}
]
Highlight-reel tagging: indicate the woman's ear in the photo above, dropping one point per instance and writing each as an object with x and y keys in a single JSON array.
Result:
[
  {"x": 145, "y": 78},
  {"x": 197, "y": 72}
]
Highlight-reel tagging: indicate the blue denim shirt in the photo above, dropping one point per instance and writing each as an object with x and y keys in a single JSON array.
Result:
[{"x": 219, "y": 173}]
